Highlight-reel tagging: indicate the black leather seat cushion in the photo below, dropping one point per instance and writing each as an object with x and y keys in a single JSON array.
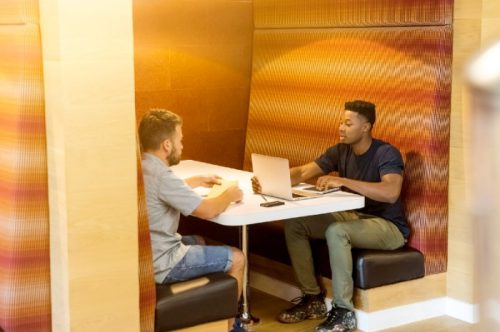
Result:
[
  {"x": 214, "y": 301},
  {"x": 373, "y": 268}
]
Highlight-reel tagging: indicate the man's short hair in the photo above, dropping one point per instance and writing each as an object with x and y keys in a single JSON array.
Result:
[
  {"x": 364, "y": 108},
  {"x": 156, "y": 126}
]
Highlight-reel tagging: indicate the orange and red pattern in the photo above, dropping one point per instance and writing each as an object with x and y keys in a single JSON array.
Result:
[
  {"x": 147, "y": 290},
  {"x": 24, "y": 215},
  {"x": 302, "y": 77}
]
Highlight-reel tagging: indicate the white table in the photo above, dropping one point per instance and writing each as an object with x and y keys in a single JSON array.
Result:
[{"x": 249, "y": 211}]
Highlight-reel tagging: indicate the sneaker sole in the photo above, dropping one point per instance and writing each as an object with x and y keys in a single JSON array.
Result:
[{"x": 311, "y": 317}]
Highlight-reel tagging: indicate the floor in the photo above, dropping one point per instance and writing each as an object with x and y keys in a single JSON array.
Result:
[{"x": 266, "y": 307}]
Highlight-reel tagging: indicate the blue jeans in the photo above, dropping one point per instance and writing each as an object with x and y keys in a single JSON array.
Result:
[{"x": 200, "y": 260}]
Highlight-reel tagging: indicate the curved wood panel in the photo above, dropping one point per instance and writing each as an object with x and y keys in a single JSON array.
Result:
[
  {"x": 350, "y": 13},
  {"x": 301, "y": 79}
]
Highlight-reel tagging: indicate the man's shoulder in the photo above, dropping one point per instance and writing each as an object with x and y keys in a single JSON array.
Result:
[
  {"x": 382, "y": 146},
  {"x": 386, "y": 152},
  {"x": 157, "y": 170},
  {"x": 336, "y": 151},
  {"x": 340, "y": 147}
]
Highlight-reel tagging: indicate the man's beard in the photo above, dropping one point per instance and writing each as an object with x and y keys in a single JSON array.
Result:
[{"x": 174, "y": 158}]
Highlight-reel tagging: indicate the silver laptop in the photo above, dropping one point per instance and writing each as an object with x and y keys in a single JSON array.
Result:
[{"x": 274, "y": 178}]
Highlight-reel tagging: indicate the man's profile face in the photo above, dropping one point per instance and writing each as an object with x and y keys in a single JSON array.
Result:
[
  {"x": 351, "y": 127},
  {"x": 174, "y": 156}
]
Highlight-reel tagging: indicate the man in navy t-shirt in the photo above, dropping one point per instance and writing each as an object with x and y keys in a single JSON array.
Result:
[{"x": 366, "y": 166}]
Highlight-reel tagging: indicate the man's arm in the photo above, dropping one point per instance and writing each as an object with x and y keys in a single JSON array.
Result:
[
  {"x": 305, "y": 172},
  {"x": 387, "y": 190},
  {"x": 212, "y": 207},
  {"x": 297, "y": 175},
  {"x": 203, "y": 181}
]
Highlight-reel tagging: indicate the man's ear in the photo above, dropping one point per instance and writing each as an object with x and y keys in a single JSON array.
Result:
[
  {"x": 166, "y": 145},
  {"x": 367, "y": 126}
]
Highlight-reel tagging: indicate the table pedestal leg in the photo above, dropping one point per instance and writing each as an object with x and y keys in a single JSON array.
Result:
[{"x": 246, "y": 316}]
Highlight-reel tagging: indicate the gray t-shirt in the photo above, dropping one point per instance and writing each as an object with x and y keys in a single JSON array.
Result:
[{"x": 166, "y": 197}]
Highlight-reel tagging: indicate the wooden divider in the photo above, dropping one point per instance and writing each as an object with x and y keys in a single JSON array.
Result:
[{"x": 89, "y": 94}]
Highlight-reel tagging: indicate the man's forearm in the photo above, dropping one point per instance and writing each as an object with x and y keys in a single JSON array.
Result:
[
  {"x": 193, "y": 181},
  {"x": 296, "y": 175},
  {"x": 211, "y": 207},
  {"x": 379, "y": 191},
  {"x": 305, "y": 172}
]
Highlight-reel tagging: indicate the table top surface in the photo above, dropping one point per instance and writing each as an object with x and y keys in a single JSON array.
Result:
[{"x": 249, "y": 211}]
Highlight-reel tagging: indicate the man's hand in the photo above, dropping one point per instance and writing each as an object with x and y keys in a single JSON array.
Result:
[
  {"x": 328, "y": 181},
  {"x": 235, "y": 194},
  {"x": 211, "y": 207},
  {"x": 256, "y": 185},
  {"x": 207, "y": 181}
]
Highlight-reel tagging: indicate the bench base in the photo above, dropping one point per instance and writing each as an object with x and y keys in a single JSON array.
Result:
[
  {"x": 399, "y": 294},
  {"x": 368, "y": 300},
  {"x": 218, "y": 326}
]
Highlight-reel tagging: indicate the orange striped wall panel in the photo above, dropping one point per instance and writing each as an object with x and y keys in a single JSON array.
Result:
[
  {"x": 147, "y": 290},
  {"x": 24, "y": 218},
  {"x": 302, "y": 77},
  {"x": 350, "y": 13},
  {"x": 19, "y": 12}
]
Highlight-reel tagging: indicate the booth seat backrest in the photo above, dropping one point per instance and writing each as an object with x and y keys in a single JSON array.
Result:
[
  {"x": 24, "y": 215},
  {"x": 306, "y": 65}
]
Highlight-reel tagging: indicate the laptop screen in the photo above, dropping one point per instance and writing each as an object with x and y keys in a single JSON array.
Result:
[{"x": 273, "y": 174}]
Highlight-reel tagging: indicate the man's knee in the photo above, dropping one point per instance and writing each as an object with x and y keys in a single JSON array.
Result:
[
  {"x": 238, "y": 258},
  {"x": 294, "y": 226},
  {"x": 335, "y": 230}
]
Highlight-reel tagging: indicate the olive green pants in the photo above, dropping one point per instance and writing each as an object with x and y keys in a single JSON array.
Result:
[{"x": 342, "y": 231}]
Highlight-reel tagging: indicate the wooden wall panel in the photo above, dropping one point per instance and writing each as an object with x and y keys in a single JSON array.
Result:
[
  {"x": 350, "y": 13},
  {"x": 475, "y": 26},
  {"x": 91, "y": 139},
  {"x": 466, "y": 41},
  {"x": 194, "y": 58}
]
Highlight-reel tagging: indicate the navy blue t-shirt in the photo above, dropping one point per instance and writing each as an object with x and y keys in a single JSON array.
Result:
[{"x": 380, "y": 159}]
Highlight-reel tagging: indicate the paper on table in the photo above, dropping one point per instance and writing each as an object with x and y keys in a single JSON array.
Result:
[{"x": 220, "y": 188}]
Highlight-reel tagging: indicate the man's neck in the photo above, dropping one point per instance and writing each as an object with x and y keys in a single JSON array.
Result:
[
  {"x": 362, "y": 146},
  {"x": 160, "y": 156}
]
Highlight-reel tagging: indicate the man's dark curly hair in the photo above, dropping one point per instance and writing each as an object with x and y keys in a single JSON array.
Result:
[{"x": 364, "y": 108}]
